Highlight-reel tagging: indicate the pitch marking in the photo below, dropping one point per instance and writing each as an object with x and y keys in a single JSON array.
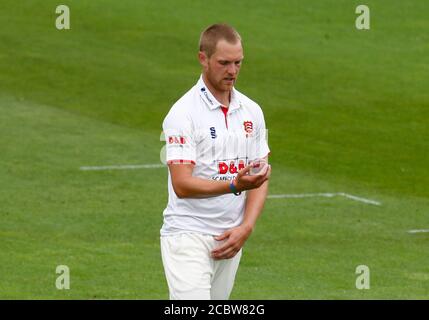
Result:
[
  {"x": 418, "y": 231},
  {"x": 326, "y": 195}
]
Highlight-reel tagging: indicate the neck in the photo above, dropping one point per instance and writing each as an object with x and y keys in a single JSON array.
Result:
[{"x": 223, "y": 97}]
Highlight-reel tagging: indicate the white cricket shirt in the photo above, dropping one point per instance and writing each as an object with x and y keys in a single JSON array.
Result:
[{"x": 219, "y": 141}]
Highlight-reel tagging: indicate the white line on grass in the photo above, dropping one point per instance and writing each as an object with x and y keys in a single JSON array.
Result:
[
  {"x": 326, "y": 195},
  {"x": 418, "y": 231},
  {"x": 368, "y": 201},
  {"x": 124, "y": 167}
]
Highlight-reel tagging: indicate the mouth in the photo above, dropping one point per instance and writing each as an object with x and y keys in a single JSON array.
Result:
[{"x": 229, "y": 80}]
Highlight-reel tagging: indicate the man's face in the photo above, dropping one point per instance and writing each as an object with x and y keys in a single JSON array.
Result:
[{"x": 222, "y": 68}]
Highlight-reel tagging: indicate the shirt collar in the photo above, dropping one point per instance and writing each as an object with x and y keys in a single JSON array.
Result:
[{"x": 212, "y": 102}]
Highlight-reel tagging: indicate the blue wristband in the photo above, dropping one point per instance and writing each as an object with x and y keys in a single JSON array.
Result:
[{"x": 234, "y": 189}]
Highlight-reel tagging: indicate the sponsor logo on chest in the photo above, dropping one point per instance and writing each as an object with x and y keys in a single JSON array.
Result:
[{"x": 230, "y": 166}]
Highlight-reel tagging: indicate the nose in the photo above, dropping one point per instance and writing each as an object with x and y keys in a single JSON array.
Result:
[{"x": 232, "y": 69}]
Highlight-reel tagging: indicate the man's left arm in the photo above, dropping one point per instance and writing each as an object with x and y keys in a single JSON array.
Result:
[
  {"x": 236, "y": 237},
  {"x": 254, "y": 205}
]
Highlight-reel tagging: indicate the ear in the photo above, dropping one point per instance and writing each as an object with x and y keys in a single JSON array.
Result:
[{"x": 204, "y": 60}]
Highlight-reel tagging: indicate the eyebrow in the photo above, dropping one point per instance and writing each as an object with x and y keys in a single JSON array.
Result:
[{"x": 228, "y": 61}]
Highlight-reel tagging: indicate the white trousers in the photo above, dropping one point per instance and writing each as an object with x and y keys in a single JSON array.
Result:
[{"x": 192, "y": 274}]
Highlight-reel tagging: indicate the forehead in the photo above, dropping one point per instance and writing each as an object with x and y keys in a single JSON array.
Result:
[{"x": 228, "y": 51}]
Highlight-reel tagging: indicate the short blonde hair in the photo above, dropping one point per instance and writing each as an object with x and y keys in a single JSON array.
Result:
[{"x": 212, "y": 34}]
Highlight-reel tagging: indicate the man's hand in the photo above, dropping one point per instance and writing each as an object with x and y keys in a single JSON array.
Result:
[
  {"x": 235, "y": 239},
  {"x": 244, "y": 181}
]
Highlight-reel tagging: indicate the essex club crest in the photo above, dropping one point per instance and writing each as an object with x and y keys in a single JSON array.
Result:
[{"x": 248, "y": 126}]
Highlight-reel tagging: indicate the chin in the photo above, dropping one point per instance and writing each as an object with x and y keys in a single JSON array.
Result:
[{"x": 227, "y": 86}]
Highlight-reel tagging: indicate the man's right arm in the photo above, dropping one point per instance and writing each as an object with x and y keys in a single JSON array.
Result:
[{"x": 187, "y": 186}]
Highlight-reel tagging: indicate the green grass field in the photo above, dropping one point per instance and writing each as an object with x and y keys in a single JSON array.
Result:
[{"x": 347, "y": 111}]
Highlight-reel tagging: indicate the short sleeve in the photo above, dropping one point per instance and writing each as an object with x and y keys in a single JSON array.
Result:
[{"x": 179, "y": 138}]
